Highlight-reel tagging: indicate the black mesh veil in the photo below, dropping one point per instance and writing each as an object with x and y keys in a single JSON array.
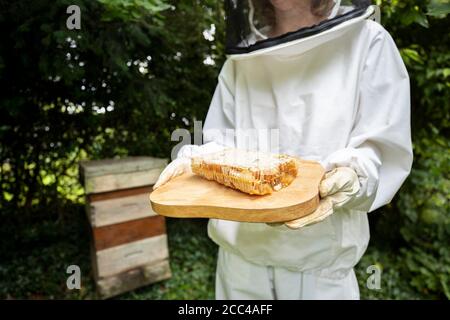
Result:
[{"x": 255, "y": 24}]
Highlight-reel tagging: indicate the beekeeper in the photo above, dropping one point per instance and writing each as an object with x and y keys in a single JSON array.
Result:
[{"x": 330, "y": 80}]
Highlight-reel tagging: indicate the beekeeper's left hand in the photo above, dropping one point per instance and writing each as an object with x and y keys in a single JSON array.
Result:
[{"x": 338, "y": 188}]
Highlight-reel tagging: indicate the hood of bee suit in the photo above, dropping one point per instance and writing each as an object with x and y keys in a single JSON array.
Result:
[{"x": 251, "y": 26}]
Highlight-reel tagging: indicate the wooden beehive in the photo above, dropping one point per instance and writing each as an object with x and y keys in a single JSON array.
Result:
[{"x": 129, "y": 241}]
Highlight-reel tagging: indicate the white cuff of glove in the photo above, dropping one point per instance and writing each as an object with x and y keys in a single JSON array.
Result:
[
  {"x": 365, "y": 161},
  {"x": 182, "y": 164}
]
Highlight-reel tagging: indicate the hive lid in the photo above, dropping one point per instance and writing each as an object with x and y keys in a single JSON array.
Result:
[{"x": 95, "y": 168}]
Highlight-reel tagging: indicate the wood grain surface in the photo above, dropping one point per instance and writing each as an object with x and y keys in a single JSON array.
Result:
[
  {"x": 134, "y": 278},
  {"x": 95, "y": 168},
  {"x": 131, "y": 255},
  {"x": 190, "y": 196},
  {"x": 117, "y": 181},
  {"x": 119, "y": 193},
  {"x": 134, "y": 230},
  {"x": 118, "y": 210}
]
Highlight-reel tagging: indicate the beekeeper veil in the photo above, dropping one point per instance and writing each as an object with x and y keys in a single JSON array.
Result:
[{"x": 253, "y": 25}]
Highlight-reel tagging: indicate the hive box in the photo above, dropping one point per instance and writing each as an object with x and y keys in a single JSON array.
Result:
[{"x": 129, "y": 241}]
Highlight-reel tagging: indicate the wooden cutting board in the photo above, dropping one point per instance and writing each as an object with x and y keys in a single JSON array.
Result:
[{"x": 190, "y": 196}]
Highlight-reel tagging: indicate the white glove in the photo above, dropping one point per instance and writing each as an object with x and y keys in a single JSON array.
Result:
[
  {"x": 176, "y": 168},
  {"x": 338, "y": 188},
  {"x": 182, "y": 164}
]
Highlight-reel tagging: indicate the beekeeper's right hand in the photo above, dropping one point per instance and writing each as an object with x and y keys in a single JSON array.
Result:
[
  {"x": 182, "y": 164},
  {"x": 176, "y": 168}
]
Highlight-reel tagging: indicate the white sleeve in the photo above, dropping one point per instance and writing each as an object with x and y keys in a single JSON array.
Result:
[{"x": 379, "y": 148}]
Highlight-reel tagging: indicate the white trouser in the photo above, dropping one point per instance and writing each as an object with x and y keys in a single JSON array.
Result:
[{"x": 239, "y": 279}]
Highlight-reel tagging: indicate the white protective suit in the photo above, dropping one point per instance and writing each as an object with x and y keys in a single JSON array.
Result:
[{"x": 340, "y": 97}]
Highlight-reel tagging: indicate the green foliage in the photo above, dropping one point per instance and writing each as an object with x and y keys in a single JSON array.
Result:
[
  {"x": 422, "y": 212},
  {"x": 133, "y": 10},
  {"x": 34, "y": 262},
  {"x": 439, "y": 8},
  {"x": 424, "y": 204},
  {"x": 35, "y": 252},
  {"x": 119, "y": 86},
  {"x": 395, "y": 283}
]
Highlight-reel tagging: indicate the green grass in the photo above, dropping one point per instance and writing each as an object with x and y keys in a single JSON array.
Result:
[{"x": 34, "y": 258}]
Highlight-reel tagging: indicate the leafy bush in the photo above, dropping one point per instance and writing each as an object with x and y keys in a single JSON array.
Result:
[
  {"x": 425, "y": 226},
  {"x": 119, "y": 86},
  {"x": 422, "y": 212}
]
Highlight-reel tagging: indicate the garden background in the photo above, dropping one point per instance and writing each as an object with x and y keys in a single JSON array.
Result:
[{"x": 137, "y": 70}]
